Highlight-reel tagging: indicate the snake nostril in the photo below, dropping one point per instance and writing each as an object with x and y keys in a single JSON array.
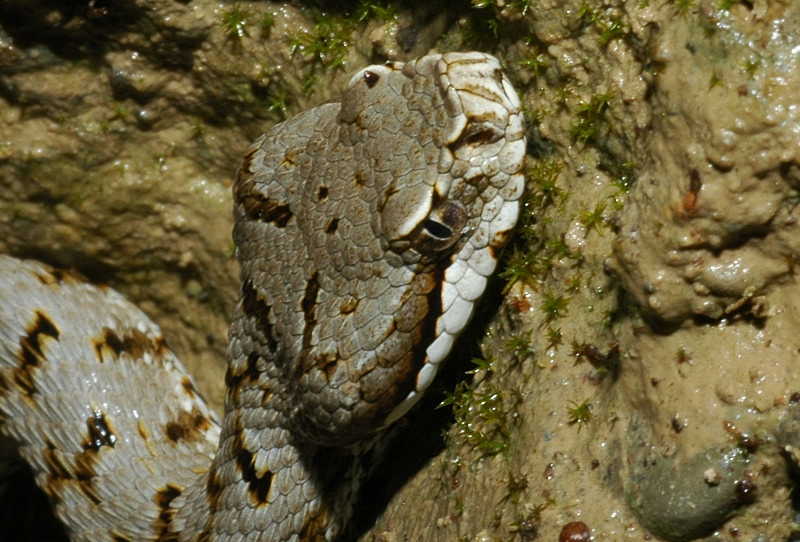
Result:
[{"x": 479, "y": 138}]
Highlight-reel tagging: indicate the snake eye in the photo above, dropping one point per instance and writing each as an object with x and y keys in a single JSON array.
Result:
[
  {"x": 441, "y": 229},
  {"x": 437, "y": 229}
]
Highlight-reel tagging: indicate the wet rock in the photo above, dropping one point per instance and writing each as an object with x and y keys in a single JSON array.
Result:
[{"x": 684, "y": 500}]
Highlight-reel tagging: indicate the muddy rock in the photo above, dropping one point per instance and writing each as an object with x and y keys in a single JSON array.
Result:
[{"x": 635, "y": 372}]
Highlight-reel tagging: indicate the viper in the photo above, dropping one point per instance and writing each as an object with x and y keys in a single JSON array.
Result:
[{"x": 365, "y": 229}]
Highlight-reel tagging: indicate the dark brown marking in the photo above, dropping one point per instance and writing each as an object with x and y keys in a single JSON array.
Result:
[
  {"x": 254, "y": 307},
  {"x": 30, "y": 352},
  {"x": 332, "y": 225},
  {"x": 59, "y": 473},
  {"x": 56, "y": 468},
  {"x": 322, "y": 192},
  {"x": 695, "y": 184},
  {"x": 111, "y": 340},
  {"x": 328, "y": 365},
  {"x": 371, "y": 78},
  {"x": 117, "y": 537},
  {"x": 142, "y": 429},
  {"x": 315, "y": 527},
  {"x": 259, "y": 207},
  {"x": 290, "y": 156},
  {"x": 250, "y": 374},
  {"x": 190, "y": 427},
  {"x": 257, "y": 486},
  {"x": 189, "y": 387},
  {"x": 246, "y": 167},
  {"x": 309, "y": 307},
  {"x": 84, "y": 474},
  {"x": 100, "y": 434},
  {"x": 349, "y": 306},
  {"x": 54, "y": 277},
  {"x": 360, "y": 178},
  {"x": 479, "y": 138},
  {"x": 134, "y": 343},
  {"x": 166, "y": 514},
  {"x": 214, "y": 488}
]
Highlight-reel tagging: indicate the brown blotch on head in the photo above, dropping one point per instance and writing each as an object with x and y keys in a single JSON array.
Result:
[
  {"x": 322, "y": 192},
  {"x": 190, "y": 427},
  {"x": 259, "y": 207},
  {"x": 348, "y": 306},
  {"x": 245, "y": 170},
  {"x": 360, "y": 178},
  {"x": 166, "y": 514},
  {"x": 290, "y": 156},
  {"x": 118, "y": 537},
  {"x": 371, "y": 78},
  {"x": 332, "y": 226},
  {"x": 325, "y": 363}
]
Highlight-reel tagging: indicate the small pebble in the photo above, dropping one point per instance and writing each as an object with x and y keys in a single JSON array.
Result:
[{"x": 575, "y": 531}]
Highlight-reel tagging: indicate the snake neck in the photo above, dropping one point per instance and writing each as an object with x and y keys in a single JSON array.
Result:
[{"x": 264, "y": 481}]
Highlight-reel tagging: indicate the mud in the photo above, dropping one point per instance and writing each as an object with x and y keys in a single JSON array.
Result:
[{"x": 639, "y": 375}]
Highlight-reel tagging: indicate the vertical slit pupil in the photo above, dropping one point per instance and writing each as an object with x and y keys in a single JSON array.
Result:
[{"x": 437, "y": 229}]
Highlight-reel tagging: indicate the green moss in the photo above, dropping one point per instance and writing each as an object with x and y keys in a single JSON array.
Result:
[
  {"x": 483, "y": 413},
  {"x": 554, "y": 306},
  {"x": 327, "y": 44},
  {"x": 591, "y": 116},
  {"x": 266, "y": 23},
  {"x": 518, "y": 267},
  {"x": 610, "y": 30},
  {"x": 235, "y": 22},
  {"x": 554, "y": 337},
  {"x": 683, "y": 6},
  {"x": 519, "y": 343},
  {"x": 594, "y": 219},
  {"x": 579, "y": 414}
]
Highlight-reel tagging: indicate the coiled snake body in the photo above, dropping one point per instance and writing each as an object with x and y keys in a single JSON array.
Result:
[{"x": 366, "y": 229}]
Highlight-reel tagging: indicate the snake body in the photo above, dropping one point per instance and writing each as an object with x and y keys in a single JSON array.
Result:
[{"x": 365, "y": 229}]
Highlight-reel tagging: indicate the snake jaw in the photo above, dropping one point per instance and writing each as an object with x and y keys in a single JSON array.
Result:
[{"x": 483, "y": 151}]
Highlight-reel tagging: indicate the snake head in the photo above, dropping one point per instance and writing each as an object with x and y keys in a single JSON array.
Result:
[{"x": 368, "y": 228}]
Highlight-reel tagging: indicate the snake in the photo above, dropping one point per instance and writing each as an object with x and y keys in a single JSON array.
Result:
[{"x": 365, "y": 229}]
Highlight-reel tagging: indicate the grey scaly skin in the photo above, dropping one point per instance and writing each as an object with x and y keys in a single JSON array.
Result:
[{"x": 366, "y": 230}]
